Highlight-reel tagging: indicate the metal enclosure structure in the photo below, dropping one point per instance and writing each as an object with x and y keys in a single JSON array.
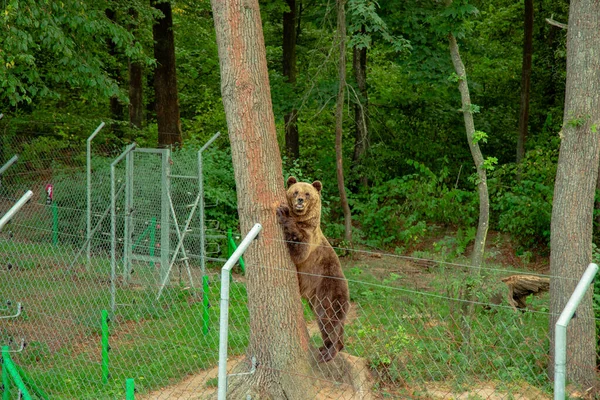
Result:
[{"x": 146, "y": 202}]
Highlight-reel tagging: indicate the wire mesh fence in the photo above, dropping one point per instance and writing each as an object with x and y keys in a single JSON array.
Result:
[{"x": 142, "y": 306}]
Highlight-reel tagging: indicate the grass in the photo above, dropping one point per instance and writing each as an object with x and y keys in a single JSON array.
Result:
[
  {"x": 406, "y": 323},
  {"x": 155, "y": 342},
  {"x": 419, "y": 338}
]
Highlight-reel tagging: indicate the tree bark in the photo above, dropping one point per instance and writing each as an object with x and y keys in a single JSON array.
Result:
[
  {"x": 525, "y": 80},
  {"x": 361, "y": 107},
  {"x": 116, "y": 107},
  {"x": 573, "y": 204},
  {"x": 339, "y": 119},
  {"x": 482, "y": 189},
  {"x": 136, "y": 90},
  {"x": 165, "y": 78},
  {"x": 278, "y": 335},
  {"x": 292, "y": 140}
]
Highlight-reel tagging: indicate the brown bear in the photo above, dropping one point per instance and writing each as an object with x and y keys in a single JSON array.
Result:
[{"x": 320, "y": 275}]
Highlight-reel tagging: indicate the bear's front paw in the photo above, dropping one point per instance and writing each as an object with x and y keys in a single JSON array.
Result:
[
  {"x": 327, "y": 354},
  {"x": 283, "y": 213}
]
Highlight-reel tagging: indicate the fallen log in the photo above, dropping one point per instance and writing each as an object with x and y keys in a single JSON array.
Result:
[{"x": 521, "y": 286}]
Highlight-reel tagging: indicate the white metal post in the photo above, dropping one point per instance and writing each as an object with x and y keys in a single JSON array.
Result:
[
  {"x": 224, "y": 316},
  {"x": 8, "y": 164},
  {"x": 560, "y": 337},
  {"x": 202, "y": 204},
  {"x": 14, "y": 209},
  {"x": 113, "y": 227},
  {"x": 89, "y": 188}
]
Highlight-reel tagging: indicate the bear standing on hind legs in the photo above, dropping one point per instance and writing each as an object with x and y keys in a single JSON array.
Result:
[{"x": 320, "y": 275}]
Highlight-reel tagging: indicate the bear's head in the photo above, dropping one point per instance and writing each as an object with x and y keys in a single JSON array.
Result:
[{"x": 304, "y": 199}]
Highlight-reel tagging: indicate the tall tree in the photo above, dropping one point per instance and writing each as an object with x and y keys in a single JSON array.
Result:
[
  {"x": 116, "y": 106},
  {"x": 136, "y": 76},
  {"x": 165, "y": 77},
  {"x": 525, "y": 79},
  {"x": 473, "y": 140},
  {"x": 292, "y": 140},
  {"x": 576, "y": 174},
  {"x": 278, "y": 335},
  {"x": 339, "y": 119}
]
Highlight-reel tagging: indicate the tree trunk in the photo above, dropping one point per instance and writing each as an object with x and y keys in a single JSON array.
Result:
[
  {"x": 576, "y": 174},
  {"x": 361, "y": 107},
  {"x": 482, "y": 189},
  {"x": 165, "y": 78},
  {"x": 278, "y": 335},
  {"x": 339, "y": 118},
  {"x": 525, "y": 80},
  {"x": 136, "y": 90},
  {"x": 116, "y": 107},
  {"x": 292, "y": 142}
]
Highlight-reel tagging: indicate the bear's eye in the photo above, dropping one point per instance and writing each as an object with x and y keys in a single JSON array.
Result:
[
  {"x": 296, "y": 193},
  {"x": 307, "y": 195}
]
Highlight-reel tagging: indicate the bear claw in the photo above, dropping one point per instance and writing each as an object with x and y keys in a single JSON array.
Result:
[{"x": 283, "y": 212}]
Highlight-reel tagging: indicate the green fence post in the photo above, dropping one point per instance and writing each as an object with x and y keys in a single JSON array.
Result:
[
  {"x": 104, "y": 346},
  {"x": 130, "y": 389},
  {"x": 35, "y": 388},
  {"x": 152, "y": 235},
  {"x": 229, "y": 240},
  {"x": 242, "y": 264},
  {"x": 205, "y": 305},
  {"x": 5, "y": 379},
  {"x": 54, "y": 224},
  {"x": 232, "y": 247},
  {"x": 14, "y": 374}
]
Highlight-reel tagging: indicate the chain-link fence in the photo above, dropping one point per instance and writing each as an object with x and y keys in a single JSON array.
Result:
[{"x": 141, "y": 306}]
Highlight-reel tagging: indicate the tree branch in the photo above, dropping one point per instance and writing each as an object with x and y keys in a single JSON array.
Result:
[{"x": 557, "y": 24}]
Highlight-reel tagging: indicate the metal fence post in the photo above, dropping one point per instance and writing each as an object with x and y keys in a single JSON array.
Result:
[
  {"x": 128, "y": 227},
  {"x": 224, "y": 314},
  {"x": 14, "y": 209},
  {"x": 202, "y": 204},
  {"x": 8, "y": 164},
  {"x": 560, "y": 338},
  {"x": 113, "y": 227},
  {"x": 165, "y": 216},
  {"x": 89, "y": 187}
]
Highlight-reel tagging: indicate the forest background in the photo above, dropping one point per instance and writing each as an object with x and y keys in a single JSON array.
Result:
[{"x": 68, "y": 65}]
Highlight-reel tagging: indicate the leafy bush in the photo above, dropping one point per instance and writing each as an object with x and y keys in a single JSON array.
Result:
[
  {"x": 521, "y": 197},
  {"x": 399, "y": 209}
]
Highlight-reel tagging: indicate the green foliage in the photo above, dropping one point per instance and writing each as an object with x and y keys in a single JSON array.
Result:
[
  {"x": 364, "y": 22},
  {"x": 489, "y": 163},
  {"x": 397, "y": 210},
  {"x": 453, "y": 246},
  {"x": 522, "y": 197},
  {"x": 480, "y": 136},
  {"x": 48, "y": 45}
]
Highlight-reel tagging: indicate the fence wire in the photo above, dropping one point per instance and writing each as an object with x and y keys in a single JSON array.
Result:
[{"x": 407, "y": 333}]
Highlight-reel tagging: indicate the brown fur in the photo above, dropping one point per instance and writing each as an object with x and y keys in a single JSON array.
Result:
[{"x": 320, "y": 275}]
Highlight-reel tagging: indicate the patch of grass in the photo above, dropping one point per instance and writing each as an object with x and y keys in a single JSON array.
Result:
[
  {"x": 412, "y": 338},
  {"x": 156, "y": 342}
]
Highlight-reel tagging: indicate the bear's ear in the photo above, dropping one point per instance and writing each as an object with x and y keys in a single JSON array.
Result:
[
  {"x": 318, "y": 185},
  {"x": 291, "y": 181}
]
